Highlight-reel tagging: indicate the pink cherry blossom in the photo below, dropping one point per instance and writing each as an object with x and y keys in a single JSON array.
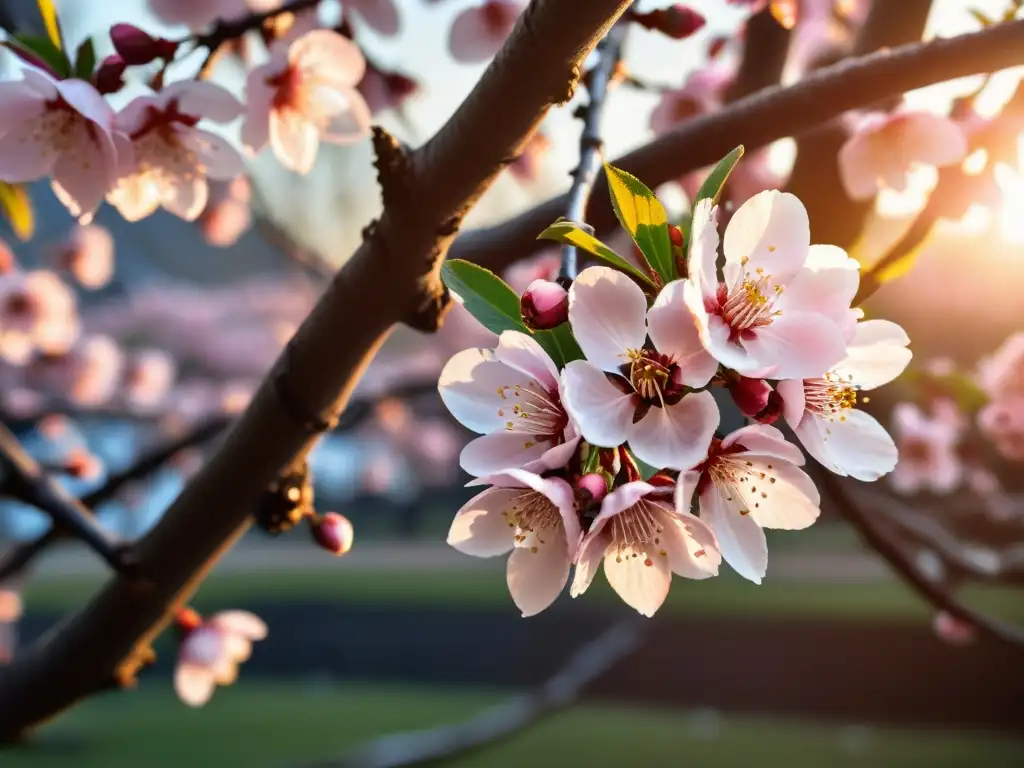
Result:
[
  {"x": 37, "y": 313},
  {"x": 527, "y": 166},
  {"x": 884, "y": 147},
  {"x": 533, "y": 517},
  {"x": 88, "y": 255},
  {"x": 544, "y": 266},
  {"x": 1001, "y": 374},
  {"x": 952, "y": 630},
  {"x": 63, "y": 129},
  {"x": 784, "y": 305},
  {"x": 149, "y": 378},
  {"x": 385, "y": 90},
  {"x": 1002, "y": 422},
  {"x": 174, "y": 157},
  {"x": 928, "y": 458},
  {"x": 822, "y": 410},
  {"x": 305, "y": 94},
  {"x": 228, "y": 215},
  {"x": 628, "y": 391},
  {"x": 479, "y": 31},
  {"x": 750, "y": 481},
  {"x": 512, "y": 397},
  {"x": 642, "y": 541},
  {"x": 702, "y": 92},
  {"x": 211, "y": 650}
]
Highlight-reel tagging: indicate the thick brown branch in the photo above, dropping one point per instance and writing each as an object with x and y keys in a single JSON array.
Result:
[
  {"x": 757, "y": 120},
  {"x": 765, "y": 50},
  {"x": 387, "y": 279}
]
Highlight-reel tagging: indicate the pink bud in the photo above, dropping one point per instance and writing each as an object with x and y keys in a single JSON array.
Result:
[
  {"x": 136, "y": 47},
  {"x": 333, "y": 532},
  {"x": 109, "y": 78},
  {"x": 952, "y": 630},
  {"x": 750, "y": 395},
  {"x": 545, "y": 305},
  {"x": 678, "y": 21},
  {"x": 593, "y": 484}
]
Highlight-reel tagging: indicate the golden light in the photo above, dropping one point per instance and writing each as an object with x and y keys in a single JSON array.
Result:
[{"x": 1011, "y": 214}]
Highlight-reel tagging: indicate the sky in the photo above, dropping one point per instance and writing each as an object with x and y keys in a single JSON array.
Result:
[{"x": 328, "y": 214}]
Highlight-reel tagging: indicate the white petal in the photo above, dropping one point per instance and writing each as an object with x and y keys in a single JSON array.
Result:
[
  {"x": 203, "y": 99},
  {"x": 876, "y": 355},
  {"x": 858, "y": 169},
  {"x": 489, "y": 454},
  {"x": 798, "y": 345},
  {"x": 537, "y": 575},
  {"x": 558, "y": 492},
  {"x": 479, "y": 390},
  {"x": 243, "y": 623},
  {"x": 519, "y": 351},
  {"x": 771, "y": 230},
  {"x": 934, "y": 139},
  {"x": 603, "y": 413},
  {"x": 673, "y": 330},
  {"x": 686, "y": 486},
  {"x": 608, "y": 314},
  {"x": 782, "y": 497},
  {"x": 193, "y": 684},
  {"x": 330, "y": 57},
  {"x": 740, "y": 538},
  {"x": 259, "y": 100},
  {"x": 217, "y": 157},
  {"x": 25, "y": 155},
  {"x": 764, "y": 439},
  {"x": 703, "y": 259},
  {"x": 691, "y": 546},
  {"x": 794, "y": 400},
  {"x": 589, "y": 557},
  {"x": 83, "y": 181},
  {"x": 642, "y": 582},
  {"x": 676, "y": 436},
  {"x": 479, "y": 528},
  {"x": 187, "y": 197},
  {"x": 294, "y": 139},
  {"x": 827, "y": 288},
  {"x": 858, "y": 446}
]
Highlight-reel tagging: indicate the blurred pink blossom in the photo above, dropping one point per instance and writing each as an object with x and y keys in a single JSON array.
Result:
[
  {"x": 88, "y": 255},
  {"x": 1002, "y": 422},
  {"x": 211, "y": 650},
  {"x": 198, "y": 14},
  {"x": 543, "y": 266},
  {"x": 149, "y": 378},
  {"x": 928, "y": 458},
  {"x": 385, "y": 90},
  {"x": 527, "y": 165},
  {"x": 382, "y": 15},
  {"x": 228, "y": 215},
  {"x": 37, "y": 312},
  {"x": 88, "y": 375},
  {"x": 1001, "y": 374},
  {"x": 479, "y": 31}
]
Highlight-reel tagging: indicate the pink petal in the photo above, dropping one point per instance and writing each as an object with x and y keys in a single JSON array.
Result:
[
  {"x": 18, "y": 104},
  {"x": 479, "y": 390},
  {"x": 203, "y": 99},
  {"x": 794, "y": 400},
  {"x": 247, "y": 625},
  {"x": 82, "y": 181},
  {"x": 187, "y": 197},
  {"x": 673, "y": 330},
  {"x": 618, "y": 501},
  {"x": 765, "y": 439},
  {"x": 88, "y": 101},
  {"x": 326, "y": 56},
  {"x": 537, "y": 575},
  {"x": 472, "y": 39},
  {"x": 825, "y": 287},
  {"x": 714, "y": 334},
  {"x": 799, "y": 345},
  {"x": 259, "y": 100},
  {"x": 589, "y": 557},
  {"x": 558, "y": 492},
  {"x": 193, "y": 684},
  {"x": 608, "y": 315},
  {"x": 676, "y": 436},
  {"x": 603, "y": 413},
  {"x": 294, "y": 139},
  {"x": 350, "y": 118},
  {"x": 771, "y": 230},
  {"x": 703, "y": 259},
  {"x": 857, "y": 446},
  {"x": 523, "y": 353},
  {"x": 784, "y": 496},
  {"x": 479, "y": 528},
  {"x": 25, "y": 155},
  {"x": 217, "y": 157},
  {"x": 857, "y": 167},
  {"x": 933, "y": 139},
  {"x": 691, "y": 546},
  {"x": 686, "y": 486},
  {"x": 489, "y": 454},
  {"x": 641, "y": 582},
  {"x": 382, "y": 15},
  {"x": 135, "y": 197},
  {"x": 740, "y": 538},
  {"x": 876, "y": 354}
]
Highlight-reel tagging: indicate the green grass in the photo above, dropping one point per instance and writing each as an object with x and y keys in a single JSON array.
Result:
[
  {"x": 727, "y": 595},
  {"x": 255, "y": 724}
]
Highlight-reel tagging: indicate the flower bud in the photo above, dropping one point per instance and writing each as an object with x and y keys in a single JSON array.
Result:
[
  {"x": 678, "y": 21},
  {"x": 333, "y": 532},
  {"x": 952, "y": 630},
  {"x": 675, "y": 234},
  {"x": 750, "y": 395},
  {"x": 109, "y": 78},
  {"x": 593, "y": 484},
  {"x": 136, "y": 47},
  {"x": 186, "y": 620},
  {"x": 544, "y": 305}
]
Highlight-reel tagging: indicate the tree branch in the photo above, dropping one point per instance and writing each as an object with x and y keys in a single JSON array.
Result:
[
  {"x": 394, "y": 275},
  {"x": 758, "y": 120},
  {"x": 765, "y": 51}
]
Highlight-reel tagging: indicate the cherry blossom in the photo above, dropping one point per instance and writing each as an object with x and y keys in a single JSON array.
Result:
[
  {"x": 642, "y": 541},
  {"x": 823, "y": 413},
  {"x": 536, "y": 519},
  {"x": 513, "y": 398},
  {"x": 928, "y": 458},
  {"x": 228, "y": 214},
  {"x": 37, "y": 313},
  {"x": 148, "y": 379},
  {"x": 627, "y": 390},
  {"x": 1001, "y": 374},
  {"x": 702, "y": 92},
  {"x": 784, "y": 305},
  {"x": 88, "y": 255},
  {"x": 305, "y": 94},
  {"x": 953, "y": 630},
  {"x": 63, "y": 129},
  {"x": 174, "y": 157},
  {"x": 751, "y": 480},
  {"x": 479, "y": 31},
  {"x": 1002, "y": 422},
  {"x": 382, "y": 15},
  {"x": 211, "y": 650},
  {"x": 884, "y": 147}
]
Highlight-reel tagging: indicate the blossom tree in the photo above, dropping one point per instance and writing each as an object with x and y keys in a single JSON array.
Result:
[{"x": 644, "y": 408}]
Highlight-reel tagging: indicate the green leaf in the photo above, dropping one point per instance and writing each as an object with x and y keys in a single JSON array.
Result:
[
  {"x": 485, "y": 295},
  {"x": 569, "y": 233},
  {"x": 643, "y": 216},
  {"x": 17, "y": 207},
  {"x": 969, "y": 397},
  {"x": 713, "y": 184},
  {"x": 49, "y": 13},
  {"x": 560, "y": 345},
  {"x": 85, "y": 60},
  {"x": 981, "y": 18},
  {"x": 44, "y": 48}
]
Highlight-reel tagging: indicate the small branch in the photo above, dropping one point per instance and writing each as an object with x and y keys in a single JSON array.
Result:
[
  {"x": 765, "y": 51},
  {"x": 758, "y": 120},
  {"x": 502, "y": 720},
  {"x": 609, "y": 52},
  {"x": 26, "y": 482},
  {"x": 939, "y": 598}
]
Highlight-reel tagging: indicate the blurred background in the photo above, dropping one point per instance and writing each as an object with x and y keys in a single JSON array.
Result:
[{"x": 832, "y": 661}]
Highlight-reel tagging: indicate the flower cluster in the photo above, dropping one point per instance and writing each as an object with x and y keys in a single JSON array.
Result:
[
  {"x": 614, "y": 454},
  {"x": 210, "y": 651}
]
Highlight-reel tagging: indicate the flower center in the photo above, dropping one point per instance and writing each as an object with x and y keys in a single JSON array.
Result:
[
  {"x": 533, "y": 516},
  {"x": 637, "y": 531},
  {"x": 829, "y": 397},
  {"x": 534, "y": 412},
  {"x": 653, "y": 376},
  {"x": 740, "y": 481},
  {"x": 749, "y": 304}
]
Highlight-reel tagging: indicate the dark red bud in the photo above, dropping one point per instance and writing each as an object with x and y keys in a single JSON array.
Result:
[
  {"x": 750, "y": 395},
  {"x": 109, "y": 78},
  {"x": 187, "y": 620},
  {"x": 545, "y": 305},
  {"x": 675, "y": 235},
  {"x": 137, "y": 47},
  {"x": 678, "y": 21},
  {"x": 772, "y": 411},
  {"x": 333, "y": 532}
]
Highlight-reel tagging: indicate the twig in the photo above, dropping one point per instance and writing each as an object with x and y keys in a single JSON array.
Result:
[
  {"x": 599, "y": 79},
  {"x": 501, "y": 720},
  {"x": 26, "y": 482},
  {"x": 758, "y": 120},
  {"x": 907, "y": 570}
]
